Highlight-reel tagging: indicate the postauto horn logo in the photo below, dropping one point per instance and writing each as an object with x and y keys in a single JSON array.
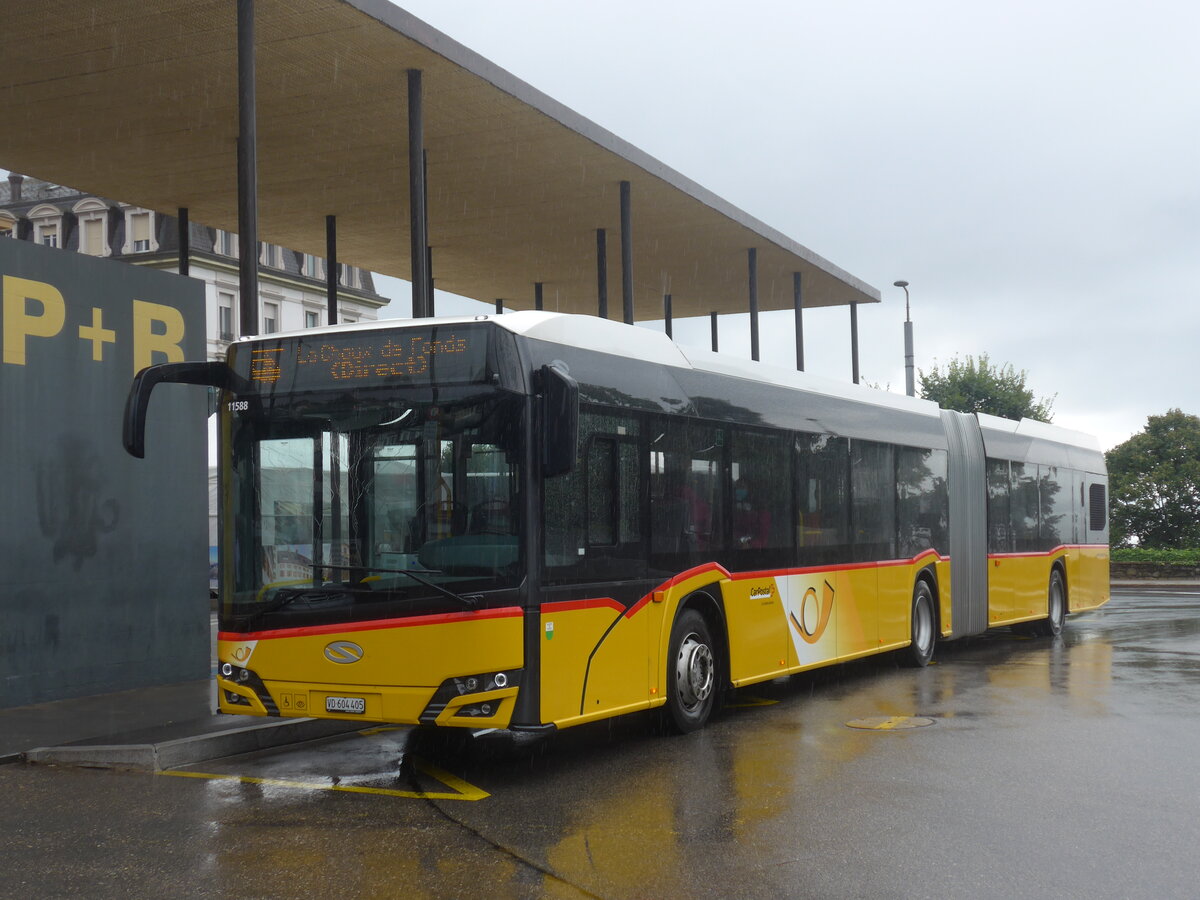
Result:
[{"x": 344, "y": 652}]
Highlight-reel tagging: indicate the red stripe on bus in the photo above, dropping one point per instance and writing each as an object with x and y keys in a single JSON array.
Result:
[
  {"x": 505, "y": 612},
  {"x": 637, "y": 606},
  {"x": 692, "y": 573}
]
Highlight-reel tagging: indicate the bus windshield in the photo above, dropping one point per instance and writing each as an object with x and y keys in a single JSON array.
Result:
[{"x": 379, "y": 503}]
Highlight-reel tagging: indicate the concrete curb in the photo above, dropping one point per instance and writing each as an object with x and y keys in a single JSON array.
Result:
[{"x": 154, "y": 757}]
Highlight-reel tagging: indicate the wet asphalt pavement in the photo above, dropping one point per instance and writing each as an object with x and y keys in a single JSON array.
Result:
[{"x": 1048, "y": 768}]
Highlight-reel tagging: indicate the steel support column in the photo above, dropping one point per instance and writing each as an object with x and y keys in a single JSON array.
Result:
[
  {"x": 331, "y": 268},
  {"x": 798, "y": 306},
  {"x": 712, "y": 324},
  {"x": 419, "y": 238},
  {"x": 429, "y": 296},
  {"x": 910, "y": 380},
  {"x": 185, "y": 243},
  {"x": 499, "y": 306},
  {"x": 247, "y": 169},
  {"x": 601, "y": 273},
  {"x": 752, "y": 260},
  {"x": 429, "y": 304},
  {"x": 854, "y": 341},
  {"x": 626, "y": 253},
  {"x": 537, "y": 295},
  {"x": 667, "y": 313}
]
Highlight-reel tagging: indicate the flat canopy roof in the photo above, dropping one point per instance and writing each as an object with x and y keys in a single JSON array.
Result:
[{"x": 137, "y": 101}]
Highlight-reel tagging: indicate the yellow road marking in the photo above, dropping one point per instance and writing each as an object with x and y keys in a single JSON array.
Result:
[
  {"x": 890, "y": 723},
  {"x": 751, "y": 701},
  {"x": 460, "y": 790}
]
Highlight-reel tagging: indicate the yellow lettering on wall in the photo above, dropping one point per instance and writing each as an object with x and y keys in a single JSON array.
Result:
[
  {"x": 19, "y": 324},
  {"x": 146, "y": 342}
]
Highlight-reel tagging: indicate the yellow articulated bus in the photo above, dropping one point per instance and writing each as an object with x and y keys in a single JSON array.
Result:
[{"x": 531, "y": 521}]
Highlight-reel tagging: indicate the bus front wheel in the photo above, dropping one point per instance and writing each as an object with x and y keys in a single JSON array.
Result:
[
  {"x": 1056, "y": 607},
  {"x": 922, "y": 632},
  {"x": 691, "y": 673}
]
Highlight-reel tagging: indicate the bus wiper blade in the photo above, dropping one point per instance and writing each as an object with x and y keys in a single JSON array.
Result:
[
  {"x": 287, "y": 596},
  {"x": 469, "y": 601}
]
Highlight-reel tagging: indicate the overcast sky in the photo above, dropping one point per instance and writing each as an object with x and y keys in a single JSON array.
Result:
[{"x": 1032, "y": 169}]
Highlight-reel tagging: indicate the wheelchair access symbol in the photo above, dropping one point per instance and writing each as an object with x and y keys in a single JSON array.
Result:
[{"x": 814, "y": 614}]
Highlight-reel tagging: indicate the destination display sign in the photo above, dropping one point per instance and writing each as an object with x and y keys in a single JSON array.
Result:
[{"x": 436, "y": 354}]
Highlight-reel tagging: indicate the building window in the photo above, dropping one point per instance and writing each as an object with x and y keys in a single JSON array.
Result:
[
  {"x": 348, "y": 275},
  {"x": 312, "y": 266},
  {"x": 226, "y": 243},
  {"x": 47, "y": 225},
  {"x": 139, "y": 232},
  {"x": 140, "y": 239},
  {"x": 271, "y": 255},
  {"x": 312, "y": 318},
  {"x": 8, "y": 228},
  {"x": 225, "y": 316},
  {"x": 270, "y": 318},
  {"x": 93, "y": 226},
  {"x": 91, "y": 237}
]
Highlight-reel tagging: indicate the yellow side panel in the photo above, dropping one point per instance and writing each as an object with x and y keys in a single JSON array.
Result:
[
  {"x": 1092, "y": 585},
  {"x": 756, "y": 613},
  {"x": 570, "y": 632},
  {"x": 857, "y": 610},
  {"x": 895, "y": 603},
  {"x": 1001, "y": 587},
  {"x": 1026, "y": 581},
  {"x": 619, "y": 675}
]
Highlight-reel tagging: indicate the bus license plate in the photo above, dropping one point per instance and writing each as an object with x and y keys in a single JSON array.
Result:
[{"x": 356, "y": 705}]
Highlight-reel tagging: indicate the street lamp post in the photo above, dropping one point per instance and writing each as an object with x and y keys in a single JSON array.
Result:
[{"x": 910, "y": 384}]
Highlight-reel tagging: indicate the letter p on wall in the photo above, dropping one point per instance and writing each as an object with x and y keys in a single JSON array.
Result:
[{"x": 20, "y": 323}]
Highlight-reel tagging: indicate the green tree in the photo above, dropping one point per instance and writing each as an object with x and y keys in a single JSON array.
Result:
[
  {"x": 978, "y": 385},
  {"x": 1154, "y": 484}
]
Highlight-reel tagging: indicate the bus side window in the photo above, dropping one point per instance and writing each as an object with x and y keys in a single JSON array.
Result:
[
  {"x": 822, "y": 498},
  {"x": 1056, "y": 489},
  {"x": 873, "y": 488},
  {"x": 761, "y": 471},
  {"x": 1025, "y": 504},
  {"x": 921, "y": 501},
  {"x": 592, "y": 515},
  {"x": 687, "y": 489},
  {"x": 602, "y": 497},
  {"x": 999, "y": 514}
]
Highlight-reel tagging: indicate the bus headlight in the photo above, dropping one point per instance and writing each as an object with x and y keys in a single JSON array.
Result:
[{"x": 463, "y": 686}]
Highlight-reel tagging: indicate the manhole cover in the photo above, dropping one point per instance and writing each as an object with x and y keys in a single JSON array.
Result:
[{"x": 890, "y": 723}]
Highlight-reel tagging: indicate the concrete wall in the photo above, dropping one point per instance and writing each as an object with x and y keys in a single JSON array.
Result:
[{"x": 103, "y": 560}]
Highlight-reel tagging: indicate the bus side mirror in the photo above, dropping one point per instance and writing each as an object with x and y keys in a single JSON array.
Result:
[
  {"x": 560, "y": 420},
  {"x": 212, "y": 374}
]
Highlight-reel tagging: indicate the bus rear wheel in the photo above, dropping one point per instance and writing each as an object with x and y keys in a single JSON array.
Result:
[
  {"x": 1056, "y": 607},
  {"x": 922, "y": 633},
  {"x": 691, "y": 673}
]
